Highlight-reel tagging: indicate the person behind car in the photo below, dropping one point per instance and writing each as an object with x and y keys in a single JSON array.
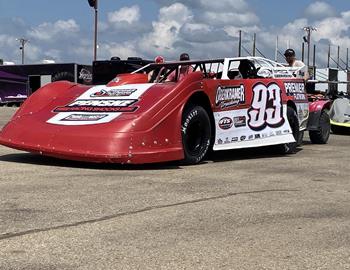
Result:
[
  {"x": 156, "y": 74},
  {"x": 183, "y": 70},
  {"x": 293, "y": 62}
]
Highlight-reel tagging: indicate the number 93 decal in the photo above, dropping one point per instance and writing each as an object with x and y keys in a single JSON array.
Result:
[{"x": 266, "y": 108}]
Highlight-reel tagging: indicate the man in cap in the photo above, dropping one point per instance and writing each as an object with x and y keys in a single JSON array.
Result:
[
  {"x": 183, "y": 69},
  {"x": 293, "y": 62}
]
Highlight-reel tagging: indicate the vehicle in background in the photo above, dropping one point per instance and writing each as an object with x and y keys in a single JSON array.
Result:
[
  {"x": 13, "y": 89},
  {"x": 38, "y": 75},
  {"x": 103, "y": 71}
]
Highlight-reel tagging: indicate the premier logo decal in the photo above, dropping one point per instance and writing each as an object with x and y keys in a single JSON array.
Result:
[
  {"x": 295, "y": 89},
  {"x": 114, "y": 93},
  {"x": 99, "y": 105},
  {"x": 230, "y": 96}
]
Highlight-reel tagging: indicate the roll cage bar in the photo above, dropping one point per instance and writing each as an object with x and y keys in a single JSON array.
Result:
[{"x": 205, "y": 66}]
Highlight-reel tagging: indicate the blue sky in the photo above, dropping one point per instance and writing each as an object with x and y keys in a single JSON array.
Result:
[{"x": 62, "y": 30}]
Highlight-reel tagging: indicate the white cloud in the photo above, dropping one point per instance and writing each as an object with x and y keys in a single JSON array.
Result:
[
  {"x": 225, "y": 5},
  {"x": 166, "y": 30},
  {"x": 125, "y": 14},
  {"x": 319, "y": 10},
  {"x": 51, "y": 31},
  {"x": 230, "y": 18}
]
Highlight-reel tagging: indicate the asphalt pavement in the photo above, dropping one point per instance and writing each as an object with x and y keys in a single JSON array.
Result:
[{"x": 242, "y": 209}]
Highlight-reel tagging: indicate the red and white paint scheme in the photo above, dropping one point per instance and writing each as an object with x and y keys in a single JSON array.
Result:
[{"x": 223, "y": 104}]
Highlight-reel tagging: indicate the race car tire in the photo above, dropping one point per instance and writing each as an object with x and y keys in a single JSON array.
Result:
[
  {"x": 196, "y": 134},
  {"x": 321, "y": 135},
  {"x": 301, "y": 138},
  {"x": 63, "y": 76},
  {"x": 290, "y": 148}
]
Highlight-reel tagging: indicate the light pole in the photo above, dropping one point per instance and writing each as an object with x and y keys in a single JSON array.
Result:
[
  {"x": 307, "y": 39},
  {"x": 94, "y": 4},
  {"x": 23, "y": 42}
]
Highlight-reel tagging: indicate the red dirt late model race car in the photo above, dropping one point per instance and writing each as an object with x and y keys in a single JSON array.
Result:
[{"x": 143, "y": 117}]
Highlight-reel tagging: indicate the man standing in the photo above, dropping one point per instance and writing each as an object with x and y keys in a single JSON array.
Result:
[
  {"x": 293, "y": 62},
  {"x": 183, "y": 69}
]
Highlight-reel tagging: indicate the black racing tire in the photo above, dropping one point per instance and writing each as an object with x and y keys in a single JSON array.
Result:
[
  {"x": 196, "y": 134},
  {"x": 63, "y": 76},
  {"x": 321, "y": 135},
  {"x": 301, "y": 138},
  {"x": 290, "y": 148}
]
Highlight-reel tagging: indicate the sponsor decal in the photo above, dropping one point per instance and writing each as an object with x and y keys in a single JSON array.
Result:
[
  {"x": 266, "y": 109},
  {"x": 229, "y": 96},
  {"x": 297, "y": 90},
  {"x": 99, "y": 105},
  {"x": 240, "y": 121},
  {"x": 85, "y": 75},
  {"x": 113, "y": 93},
  {"x": 84, "y": 117},
  {"x": 225, "y": 123},
  {"x": 234, "y": 139}
]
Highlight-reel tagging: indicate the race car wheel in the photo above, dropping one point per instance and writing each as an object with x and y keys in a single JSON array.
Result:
[
  {"x": 196, "y": 134},
  {"x": 301, "y": 138},
  {"x": 289, "y": 148},
  {"x": 321, "y": 135}
]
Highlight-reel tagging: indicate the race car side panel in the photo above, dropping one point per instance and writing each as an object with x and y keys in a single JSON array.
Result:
[{"x": 253, "y": 112}]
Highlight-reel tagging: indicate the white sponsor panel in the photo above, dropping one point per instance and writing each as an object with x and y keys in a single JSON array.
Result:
[
  {"x": 240, "y": 134},
  {"x": 99, "y": 104},
  {"x": 263, "y": 123}
]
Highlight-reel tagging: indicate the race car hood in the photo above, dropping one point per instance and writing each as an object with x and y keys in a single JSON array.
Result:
[{"x": 121, "y": 123}]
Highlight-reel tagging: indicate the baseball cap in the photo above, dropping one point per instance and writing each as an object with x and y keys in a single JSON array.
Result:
[
  {"x": 289, "y": 52},
  {"x": 184, "y": 57}
]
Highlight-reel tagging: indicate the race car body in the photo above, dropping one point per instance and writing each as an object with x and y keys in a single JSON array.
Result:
[{"x": 137, "y": 118}]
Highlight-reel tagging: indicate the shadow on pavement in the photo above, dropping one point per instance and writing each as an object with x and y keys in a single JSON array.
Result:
[{"x": 220, "y": 156}]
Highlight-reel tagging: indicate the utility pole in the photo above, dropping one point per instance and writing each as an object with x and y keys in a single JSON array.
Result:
[
  {"x": 338, "y": 57},
  {"x": 347, "y": 59},
  {"x": 276, "y": 50},
  {"x": 308, "y": 30},
  {"x": 329, "y": 56},
  {"x": 302, "y": 51},
  {"x": 94, "y": 4},
  {"x": 240, "y": 44},
  {"x": 23, "y": 42},
  {"x": 254, "y": 44}
]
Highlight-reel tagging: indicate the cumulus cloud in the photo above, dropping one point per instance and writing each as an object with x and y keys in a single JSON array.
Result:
[
  {"x": 203, "y": 28},
  {"x": 166, "y": 30},
  {"x": 51, "y": 31},
  {"x": 126, "y": 14},
  {"x": 319, "y": 10}
]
